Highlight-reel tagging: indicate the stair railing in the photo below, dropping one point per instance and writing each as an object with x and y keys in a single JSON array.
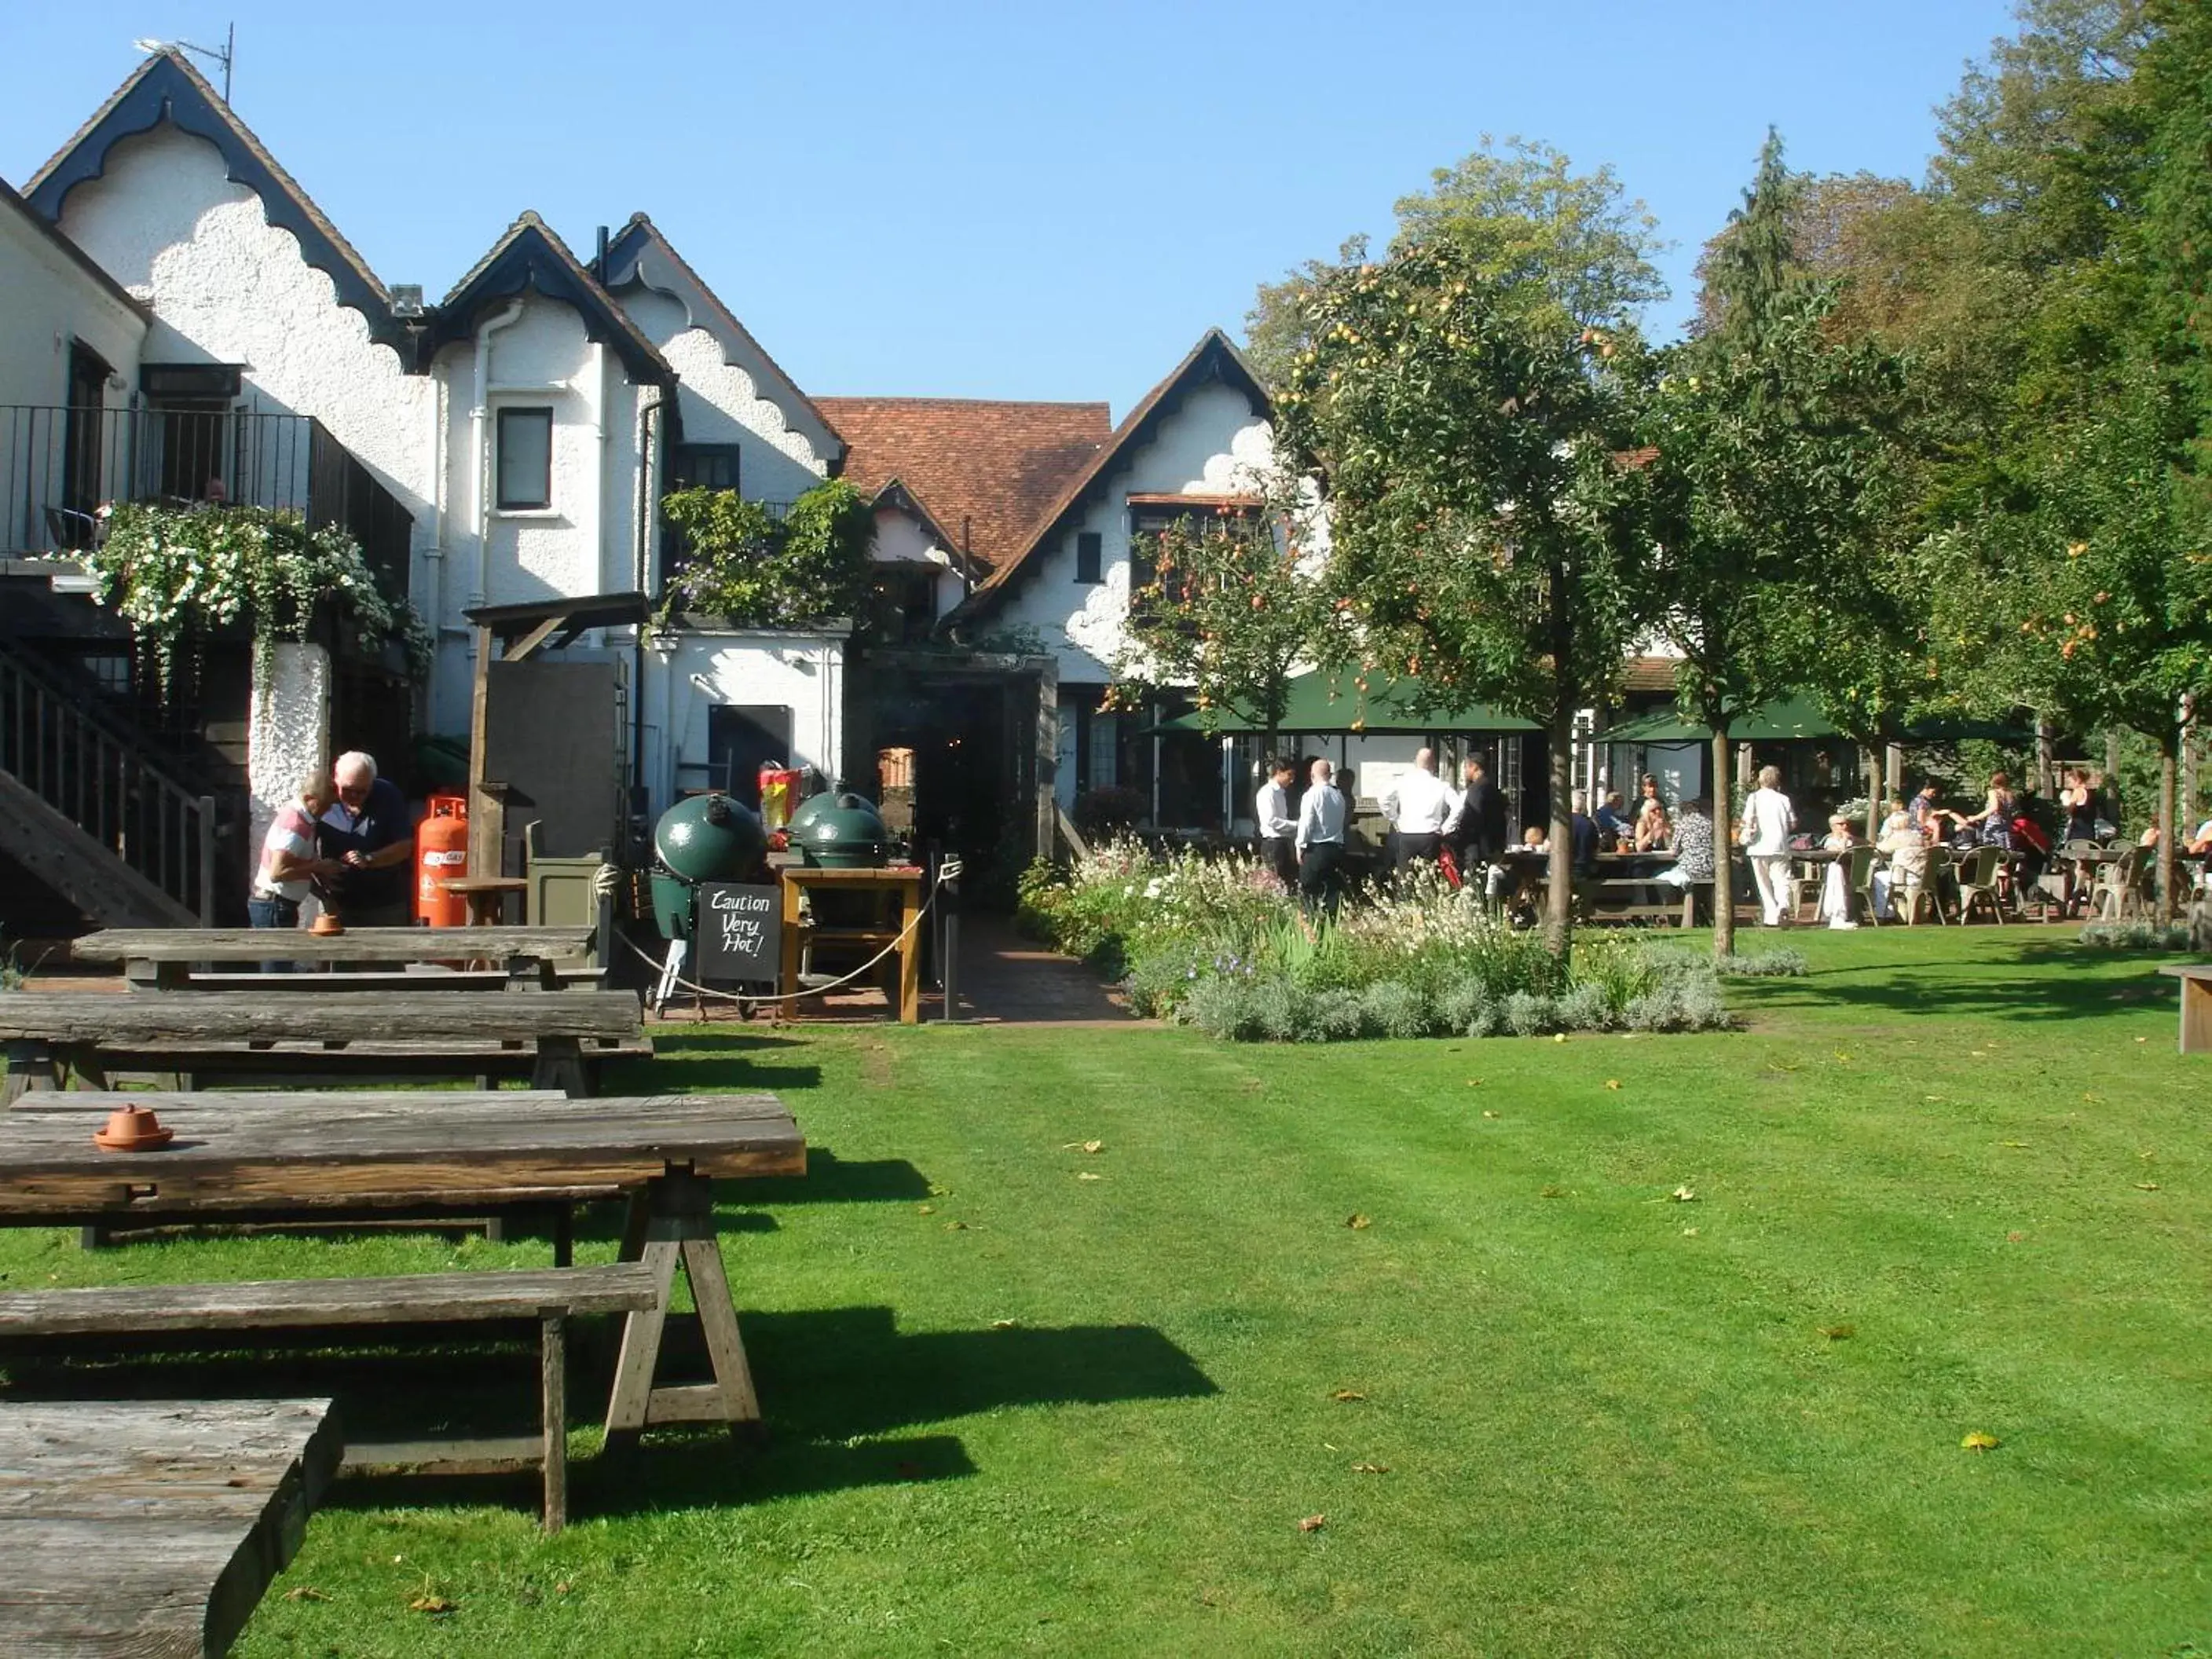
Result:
[{"x": 109, "y": 787}]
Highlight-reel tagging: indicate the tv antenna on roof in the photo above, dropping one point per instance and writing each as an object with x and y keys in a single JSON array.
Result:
[{"x": 222, "y": 55}]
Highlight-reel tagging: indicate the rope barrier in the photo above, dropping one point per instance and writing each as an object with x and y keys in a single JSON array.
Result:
[{"x": 899, "y": 939}]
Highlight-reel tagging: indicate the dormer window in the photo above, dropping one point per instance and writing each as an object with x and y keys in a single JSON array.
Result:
[{"x": 526, "y": 460}]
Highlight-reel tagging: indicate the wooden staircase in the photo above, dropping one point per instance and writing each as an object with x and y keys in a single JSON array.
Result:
[{"x": 88, "y": 811}]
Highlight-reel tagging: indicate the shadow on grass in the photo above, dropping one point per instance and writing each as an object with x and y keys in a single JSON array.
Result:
[
  {"x": 2034, "y": 978},
  {"x": 838, "y": 1387},
  {"x": 712, "y": 1059}
]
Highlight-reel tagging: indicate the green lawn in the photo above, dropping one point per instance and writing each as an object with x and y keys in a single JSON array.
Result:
[{"x": 1679, "y": 1367}]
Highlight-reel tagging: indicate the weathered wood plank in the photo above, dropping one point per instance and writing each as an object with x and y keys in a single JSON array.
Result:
[
  {"x": 252, "y": 1157},
  {"x": 166, "y": 1101},
  {"x": 60, "y": 1017},
  {"x": 310, "y": 1304},
  {"x": 389, "y": 944},
  {"x": 160, "y": 1524},
  {"x": 408, "y": 979}
]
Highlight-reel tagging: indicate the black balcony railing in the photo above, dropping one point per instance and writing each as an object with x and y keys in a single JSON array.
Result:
[{"x": 59, "y": 466}]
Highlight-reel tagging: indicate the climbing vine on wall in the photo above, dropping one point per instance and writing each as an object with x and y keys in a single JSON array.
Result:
[{"x": 742, "y": 563}]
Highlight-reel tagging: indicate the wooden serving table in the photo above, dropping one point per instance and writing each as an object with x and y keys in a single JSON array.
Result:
[
  {"x": 163, "y": 957},
  {"x": 903, "y": 879},
  {"x": 152, "y": 1527},
  {"x": 663, "y": 1151},
  {"x": 486, "y": 895}
]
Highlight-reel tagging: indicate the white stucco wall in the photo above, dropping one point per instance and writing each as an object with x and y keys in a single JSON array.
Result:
[
  {"x": 287, "y": 731},
  {"x": 723, "y": 404},
  {"x": 801, "y": 669},
  {"x": 227, "y": 286},
  {"x": 1212, "y": 445},
  {"x": 583, "y": 542},
  {"x": 49, "y": 300}
]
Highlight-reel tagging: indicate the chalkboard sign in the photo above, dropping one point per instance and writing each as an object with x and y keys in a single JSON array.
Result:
[{"x": 740, "y": 931}]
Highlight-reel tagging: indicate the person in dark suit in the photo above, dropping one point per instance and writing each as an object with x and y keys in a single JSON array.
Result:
[{"x": 1475, "y": 832}]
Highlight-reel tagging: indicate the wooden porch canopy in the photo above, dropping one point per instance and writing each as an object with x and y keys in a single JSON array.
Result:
[{"x": 512, "y": 632}]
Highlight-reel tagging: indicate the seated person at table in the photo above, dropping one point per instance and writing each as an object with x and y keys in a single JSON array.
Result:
[
  {"x": 1693, "y": 863},
  {"x": 2200, "y": 844},
  {"x": 1835, "y": 886},
  {"x": 1904, "y": 844},
  {"x": 1653, "y": 832},
  {"x": 2080, "y": 806},
  {"x": 1583, "y": 837},
  {"x": 1611, "y": 823}
]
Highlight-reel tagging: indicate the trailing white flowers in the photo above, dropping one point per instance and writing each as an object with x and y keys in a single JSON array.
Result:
[{"x": 171, "y": 572}]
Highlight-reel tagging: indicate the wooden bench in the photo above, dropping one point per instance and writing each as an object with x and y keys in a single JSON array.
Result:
[
  {"x": 152, "y": 1527},
  {"x": 380, "y": 979},
  {"x": 2195, "y": 1004},
  {"x": 549, "y": 1296},
  {"x": 346, "y": 1032}
]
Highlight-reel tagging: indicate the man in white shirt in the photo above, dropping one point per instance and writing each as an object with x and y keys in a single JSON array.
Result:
[
  {"x": 1417, "y": 804},
  {"x": 1322, "y": 818},
  {"x": 1270, "y": 812}
]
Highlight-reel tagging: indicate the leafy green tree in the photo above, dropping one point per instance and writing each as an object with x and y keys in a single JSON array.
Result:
[
  {"x": 1230, "y": 605},
  {"x": 743, "y": 563},
  {"x": 1767, "y": 461},
  {"x": 1470, "y": 435},
  {"x": 1564, "y": 244}
]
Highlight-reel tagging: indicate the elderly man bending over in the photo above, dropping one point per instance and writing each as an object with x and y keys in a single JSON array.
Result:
[{"x": 370, "y": 831}]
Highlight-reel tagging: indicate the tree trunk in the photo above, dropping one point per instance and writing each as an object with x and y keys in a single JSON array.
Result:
[
  {"x": 1558, "y": 908},
  {"x": 1871, "y": 754},
  {"x": 1724, "y": 851},
  {"x": 2168, "y": 865}
]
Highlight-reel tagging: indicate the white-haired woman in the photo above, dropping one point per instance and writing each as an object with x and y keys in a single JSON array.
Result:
[
  {"x": 1768, "y": 821},
  {"x": 290, "y": 863}
]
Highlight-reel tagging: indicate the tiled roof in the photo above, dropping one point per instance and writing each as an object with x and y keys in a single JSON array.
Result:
[
  {"x": 998, "y": 466},
  {"x": 1649, "y": 674}
]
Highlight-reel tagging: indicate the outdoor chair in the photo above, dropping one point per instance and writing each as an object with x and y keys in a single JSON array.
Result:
[
  {"x": 1908, "y": 894},
  {"x": 1977, "y": 883},
  {"x": 1859, "y": 881},
  {"x": 2123, "y": 885}
]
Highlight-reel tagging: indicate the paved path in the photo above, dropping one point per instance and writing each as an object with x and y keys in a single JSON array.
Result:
[{"x": 1008, "y": 979}]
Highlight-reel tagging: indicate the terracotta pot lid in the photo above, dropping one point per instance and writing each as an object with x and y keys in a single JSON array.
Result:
[
  {"x": 327, "y": 924},
  {"x": 132, "y": 1129}
]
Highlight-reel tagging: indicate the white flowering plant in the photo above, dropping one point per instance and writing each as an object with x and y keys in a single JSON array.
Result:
[{"x": 173, "y": 572}]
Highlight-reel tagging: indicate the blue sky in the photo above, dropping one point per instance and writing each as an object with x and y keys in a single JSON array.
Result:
[{"x": 1029, "y": 200}]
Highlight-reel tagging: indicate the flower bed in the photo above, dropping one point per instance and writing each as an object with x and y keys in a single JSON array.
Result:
[{"x": 1216, "y": 943}]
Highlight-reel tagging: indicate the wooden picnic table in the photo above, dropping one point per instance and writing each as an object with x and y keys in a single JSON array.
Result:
[
  {"x": 164, "y": 956},
  {"x": 664, "y": 1151},
  {"x": 134, "y": 1527},
  {"x": 91, "y": 1033}
]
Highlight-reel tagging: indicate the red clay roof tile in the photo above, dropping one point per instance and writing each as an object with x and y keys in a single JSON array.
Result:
[{"x": 1000, "y": 466}]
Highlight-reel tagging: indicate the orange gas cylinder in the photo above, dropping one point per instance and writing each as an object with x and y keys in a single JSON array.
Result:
[{"x": 441, "y": 850}]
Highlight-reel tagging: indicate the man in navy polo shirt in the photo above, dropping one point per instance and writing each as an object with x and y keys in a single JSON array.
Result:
[{"x": 369, "y": 831}]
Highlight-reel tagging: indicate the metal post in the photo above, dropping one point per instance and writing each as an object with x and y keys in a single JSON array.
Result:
[{"x": 948, "y": 906}]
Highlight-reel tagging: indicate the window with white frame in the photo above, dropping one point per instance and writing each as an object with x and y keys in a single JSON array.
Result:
[{"x": 525, "y": 458}]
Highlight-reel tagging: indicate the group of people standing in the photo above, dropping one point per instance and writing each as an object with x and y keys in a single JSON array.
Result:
[{"x": 1428, "y": 816}]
